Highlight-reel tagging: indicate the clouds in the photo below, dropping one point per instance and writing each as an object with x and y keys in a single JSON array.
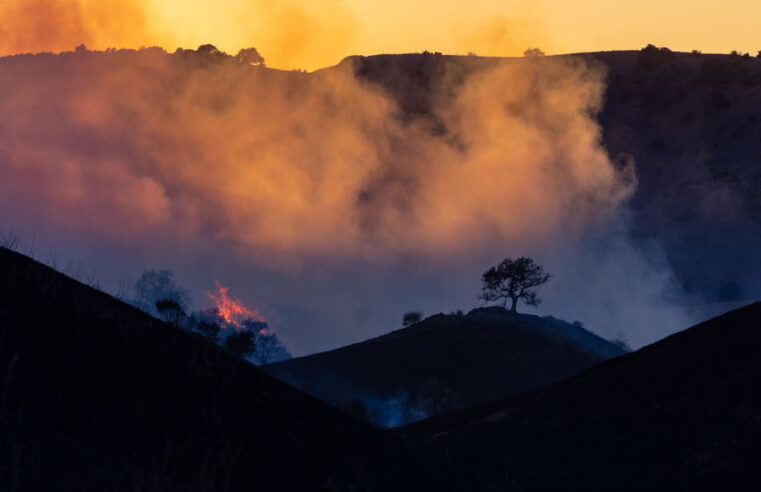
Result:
[
  {"x": 310, "y": 192},
  {"x": 311, "y": 166}
]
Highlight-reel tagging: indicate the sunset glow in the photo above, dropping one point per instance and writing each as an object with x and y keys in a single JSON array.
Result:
[{"x": 319, "y": 33}]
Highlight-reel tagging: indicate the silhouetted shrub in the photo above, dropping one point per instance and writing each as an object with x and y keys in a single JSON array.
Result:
[
  {"x": 209, "y": 330},
  {"x": 250, "y": 56},
  {"x": 651, "y": 56},
  {"x": 159, "y": 285},
  {"x": 411, "y": 317},
  {"x": 269, "y": 349},
  {"x": 695, "y": 53},
  {"x": 533, "y": 52},
  {"x": 208, "y": 49},
  {"x": 242, "y": 343},
  {"x": 170, "y": 310}
]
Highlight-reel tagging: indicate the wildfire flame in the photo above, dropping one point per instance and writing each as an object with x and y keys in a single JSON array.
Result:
[{"x": 231, "y": 310}]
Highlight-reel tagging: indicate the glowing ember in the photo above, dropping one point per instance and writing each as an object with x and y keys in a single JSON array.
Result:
[{"x": 231, "y": 310}]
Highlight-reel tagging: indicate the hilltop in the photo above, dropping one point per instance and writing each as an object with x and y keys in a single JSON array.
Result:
[
  {"x": 681, "y": 414},
  {"x": 447, "y": 362}
]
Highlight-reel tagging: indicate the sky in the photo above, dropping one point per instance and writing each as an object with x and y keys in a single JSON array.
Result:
[{"x": 318, "y": 33}]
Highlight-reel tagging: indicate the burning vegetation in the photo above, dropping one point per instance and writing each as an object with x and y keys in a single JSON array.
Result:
[
  {"x": 231, "y": 310},
  {"x": 228, "y": 322}
]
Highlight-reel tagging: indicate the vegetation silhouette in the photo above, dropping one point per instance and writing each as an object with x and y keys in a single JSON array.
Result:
[
  {"x": 170, "y": 310},
  {"x": 533, "y": 53},
  {"x": 651, "y": 56},
  {"x": 250, "y": 56},
  {"x": 513, "y": 280},
  {"x": 96, "y": 394},
  {"x": 154, "y": 286},
  {"x": 241, "y": 343},
  {"x": 411, "y": 317}
]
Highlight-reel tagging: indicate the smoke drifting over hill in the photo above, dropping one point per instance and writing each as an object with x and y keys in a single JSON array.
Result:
[
  {"x": 30, "y": 26},
  {"x": 315, "y": 195}
]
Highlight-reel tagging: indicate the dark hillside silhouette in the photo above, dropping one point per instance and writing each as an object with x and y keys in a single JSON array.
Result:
[
  {"x": 681, "y": 414},
  {"x": 97, "y": 395},
  {"x": 447, "y": 362}
]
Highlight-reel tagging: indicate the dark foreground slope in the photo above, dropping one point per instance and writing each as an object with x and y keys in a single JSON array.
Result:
[
  {"x": 447, "y": 362},
  {"x": 96, "y": 395},
  {"x": 681, "y": 414}
]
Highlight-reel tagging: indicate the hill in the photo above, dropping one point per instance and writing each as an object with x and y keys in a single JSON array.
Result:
[
  {"x": 681, "y": 414},
  {"x": 97, "y": 395},
  {"x": 447, "y": 362}
]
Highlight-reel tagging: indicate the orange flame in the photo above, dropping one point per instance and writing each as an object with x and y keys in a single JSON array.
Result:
[{"x": 231, "y": 310}]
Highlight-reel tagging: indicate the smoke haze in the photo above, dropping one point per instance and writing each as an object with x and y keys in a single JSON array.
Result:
[{"x": 315, "y": 199}]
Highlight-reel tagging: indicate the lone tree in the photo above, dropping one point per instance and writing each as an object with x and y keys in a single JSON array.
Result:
[
  {"x": 514, "y": 280},
  {"x": 533, "y": 53},
  {"x": 250, "y": 56}
]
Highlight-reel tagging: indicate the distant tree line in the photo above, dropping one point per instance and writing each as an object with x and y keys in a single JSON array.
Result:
[{"x": 204, "y": 53}]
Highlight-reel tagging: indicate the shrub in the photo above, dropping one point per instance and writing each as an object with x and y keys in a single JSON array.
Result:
[
  {"x": 651, "y": 56},
  {"x": 170, "y": 310},
  {"x": 533, "y": 53},
  {"x": 242, "y": 343},
  {"x": 209, "y": 330},
  {"x": 411, "y": 317}
]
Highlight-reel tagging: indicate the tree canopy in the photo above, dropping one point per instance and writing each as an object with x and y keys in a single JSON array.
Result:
[
  {"x": 514, "y": 280},
  {"x": 242, "y": 342},
  {"x": 250, "y": 56}
]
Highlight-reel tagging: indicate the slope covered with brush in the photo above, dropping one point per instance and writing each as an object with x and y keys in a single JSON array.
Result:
[{"x": 97, "y": 395}]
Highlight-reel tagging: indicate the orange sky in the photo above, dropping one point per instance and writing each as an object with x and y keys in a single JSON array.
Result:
[{"x": 314, "y": 33}]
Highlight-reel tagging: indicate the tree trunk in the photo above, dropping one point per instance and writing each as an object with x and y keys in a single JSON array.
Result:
[{"x": 514, "y": 306}]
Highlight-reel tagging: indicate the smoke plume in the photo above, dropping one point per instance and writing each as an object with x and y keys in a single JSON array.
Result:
[{"x": 315, "y": 193}]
